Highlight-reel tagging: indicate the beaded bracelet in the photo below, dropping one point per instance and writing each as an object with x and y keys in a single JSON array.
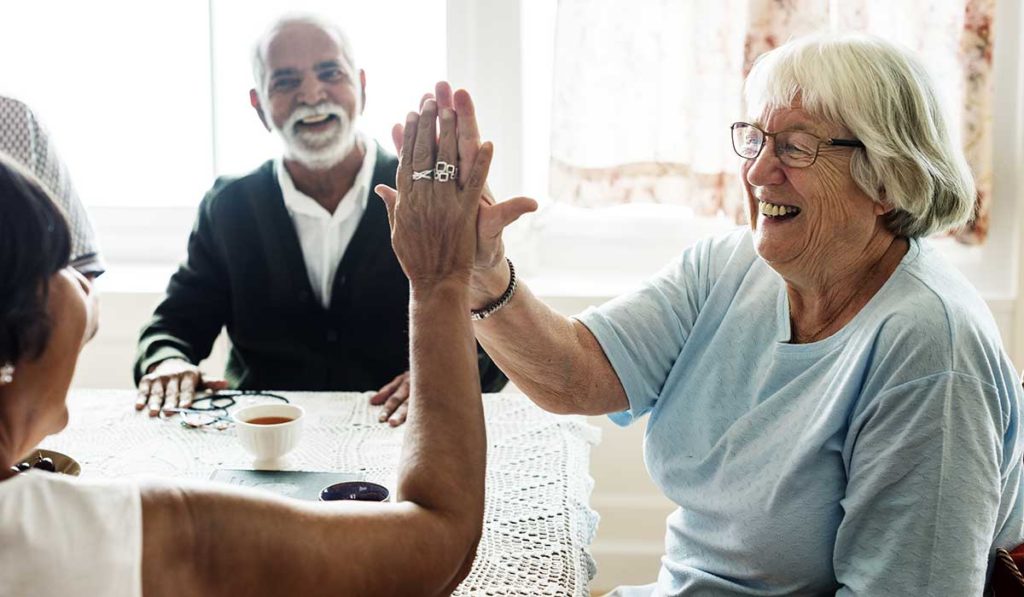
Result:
[{"x": 479, "y": 314}]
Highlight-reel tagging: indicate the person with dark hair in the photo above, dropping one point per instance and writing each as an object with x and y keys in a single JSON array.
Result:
[
  {"x": 35, "y": 238},
  {"x": 27, "y": 142},
  {"x": 294, "y": 259},
  {"x": 123, "y": 538}
]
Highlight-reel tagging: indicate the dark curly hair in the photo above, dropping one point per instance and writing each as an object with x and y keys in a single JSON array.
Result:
[{"x": 35, "y": 243}]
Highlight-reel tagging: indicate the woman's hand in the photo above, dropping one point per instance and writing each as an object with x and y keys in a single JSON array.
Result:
[
  {"x": 433, "y": 222},
  {"x": 490, "y": 272}
]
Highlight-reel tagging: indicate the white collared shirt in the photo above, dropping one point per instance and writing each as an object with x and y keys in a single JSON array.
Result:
[{"x": 324, "y": 236}]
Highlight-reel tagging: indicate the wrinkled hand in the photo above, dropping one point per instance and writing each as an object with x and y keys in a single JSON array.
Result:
[
  {"x": 172, "y": 384},
  {"x": 394, "y": 397},
  {"x": 433, "y": 223},
  {"x": 489, "y": 268}
]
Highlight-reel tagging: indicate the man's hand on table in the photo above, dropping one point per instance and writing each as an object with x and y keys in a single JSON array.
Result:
[
  {"x": 172, "y": 384},
  {"x": 394, "y": 397}
]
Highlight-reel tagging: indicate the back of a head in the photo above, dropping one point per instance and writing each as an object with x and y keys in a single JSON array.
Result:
[
  {"x": 35, "y": 243},
  {"x": 885, "y": 97}
]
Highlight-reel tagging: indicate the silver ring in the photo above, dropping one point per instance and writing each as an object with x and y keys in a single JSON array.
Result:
[
  {"x": 422, "y": 174},
  {"x": 443, "y": 171}
]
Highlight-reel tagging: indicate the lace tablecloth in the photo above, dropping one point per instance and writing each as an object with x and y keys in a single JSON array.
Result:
[{"x": 537, "y": 523}]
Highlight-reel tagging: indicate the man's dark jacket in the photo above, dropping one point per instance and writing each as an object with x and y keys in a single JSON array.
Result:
[{"x": 245, "y": 271}]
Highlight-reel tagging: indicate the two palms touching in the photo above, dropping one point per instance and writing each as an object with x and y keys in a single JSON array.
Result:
[{"x": 492, "y": 217}]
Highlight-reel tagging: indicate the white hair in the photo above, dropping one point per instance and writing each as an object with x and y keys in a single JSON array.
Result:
[
  {"x": 884, "y": 96},
  {"x": 258, "y": 58}
]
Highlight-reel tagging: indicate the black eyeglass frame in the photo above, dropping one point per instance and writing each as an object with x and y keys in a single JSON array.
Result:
[{"x": 764, "y": 141}]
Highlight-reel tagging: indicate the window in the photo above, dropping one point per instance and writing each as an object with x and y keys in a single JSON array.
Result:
[
  {"x": 124, "y": 89},
  {"x": 570, "y": 251},
  {"x": 148, "y": 102},
  {"x": 568, "y": 247}
]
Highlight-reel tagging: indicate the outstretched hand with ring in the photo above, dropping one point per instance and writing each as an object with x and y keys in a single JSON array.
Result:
[
  {"x": 490, "y": 271},
  {"x": 433, "y": 220}
]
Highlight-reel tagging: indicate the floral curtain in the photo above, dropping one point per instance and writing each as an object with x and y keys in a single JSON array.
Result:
[{"x": 645, "y": 90}]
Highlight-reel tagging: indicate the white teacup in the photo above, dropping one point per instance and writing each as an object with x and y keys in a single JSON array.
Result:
[{"x": 269, "y": 431}]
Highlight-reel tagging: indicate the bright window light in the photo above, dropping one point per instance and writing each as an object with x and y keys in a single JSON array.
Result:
[
  {"x": 123, "y": 88},
  {"x": 148, "y": 101}
]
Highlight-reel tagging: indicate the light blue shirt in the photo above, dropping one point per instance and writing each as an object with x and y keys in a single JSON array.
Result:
[{"x": 883, "y": 460}]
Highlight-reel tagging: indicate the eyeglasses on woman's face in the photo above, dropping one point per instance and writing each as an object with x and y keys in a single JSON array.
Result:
[{"x": 796, "y": 149}]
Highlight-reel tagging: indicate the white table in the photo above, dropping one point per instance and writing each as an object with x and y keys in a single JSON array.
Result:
[{"x": 538, "y": 525}]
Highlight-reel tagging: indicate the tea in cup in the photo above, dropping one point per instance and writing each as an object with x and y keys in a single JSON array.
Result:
[{"x": 268, "y": 431}]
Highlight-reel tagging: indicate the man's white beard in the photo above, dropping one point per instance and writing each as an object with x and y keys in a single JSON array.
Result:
[{"x": 318, "y": 151}]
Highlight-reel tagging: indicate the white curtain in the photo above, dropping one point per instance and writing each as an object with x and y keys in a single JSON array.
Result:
[{"x": 645, "y": 90}]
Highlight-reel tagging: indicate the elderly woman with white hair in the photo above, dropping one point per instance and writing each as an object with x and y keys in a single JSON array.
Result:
[{"x": 829, "y": 401}]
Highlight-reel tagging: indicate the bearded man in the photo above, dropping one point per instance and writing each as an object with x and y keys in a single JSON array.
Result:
[{"x": 295, "y": 258}]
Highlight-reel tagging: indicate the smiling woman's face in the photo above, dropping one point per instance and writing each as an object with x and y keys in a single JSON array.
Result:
[{"x": 834, "y": 215}]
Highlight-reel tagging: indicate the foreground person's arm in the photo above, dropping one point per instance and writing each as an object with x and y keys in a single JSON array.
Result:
[{"x": 203, "y": 541}]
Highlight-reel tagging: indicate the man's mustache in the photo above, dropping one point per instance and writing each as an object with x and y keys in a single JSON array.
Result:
[{"x": 322, "y": 109}]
